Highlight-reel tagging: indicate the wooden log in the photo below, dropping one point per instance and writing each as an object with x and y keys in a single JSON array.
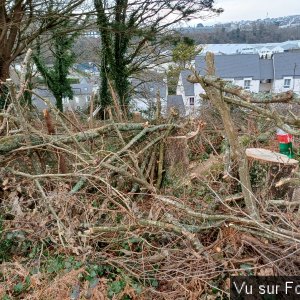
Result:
[
  {"x": 281, "y": 166},
  {"x": 23, "y": 141},
  {"x": 270, "y": 156}
]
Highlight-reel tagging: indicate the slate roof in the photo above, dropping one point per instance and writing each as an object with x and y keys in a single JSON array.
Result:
[
  {"x": 188, "y": 86},
  {"x": 82, "y": 88},
  {"x": 176, "y": 101},
  {"x": 286, "y": 64},
  {"x": 235, "y": 66},
  {"x": 240, "y": 66},
  {"x": 266, "y": 69}
]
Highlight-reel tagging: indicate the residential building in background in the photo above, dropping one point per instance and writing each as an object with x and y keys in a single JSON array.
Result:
[
  {"x": 264, "y": 49},
  {"x": 82, "y": 91},
  {"x": 277, "y": 73}
]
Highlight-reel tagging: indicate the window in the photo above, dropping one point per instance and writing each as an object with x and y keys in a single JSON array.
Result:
[
  {"x": 287, "y": 83},
  {"x": 192, "y": 101},
  {"x": 247, "y": 84}
]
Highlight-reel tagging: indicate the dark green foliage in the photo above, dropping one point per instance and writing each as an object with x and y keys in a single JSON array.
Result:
[
  {"x": 4, "y": 101},
  {"x": 132, "y": 37},
  {"x": 183, "y": 53},
  {"x": 6, "y": 244},
  {"x": 113, "y": 49},
  {"x": 56, "y": 77}
]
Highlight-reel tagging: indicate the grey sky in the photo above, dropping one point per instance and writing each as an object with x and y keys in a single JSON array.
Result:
[{"x": 236, "y": 10}]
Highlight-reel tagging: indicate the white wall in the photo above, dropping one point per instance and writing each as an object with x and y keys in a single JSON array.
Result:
[
  {"x": 278, "y": 85},
  {"x": 190, "y": 109},
  {"x": 254, "y": 85},
  {"x": 297, "y": 86},
  {"x": 198, "y": 90},
  {"x": 140, "y": 103},
  {"x": 78, "y": 102},
  {"x": 180, "y": 88}
]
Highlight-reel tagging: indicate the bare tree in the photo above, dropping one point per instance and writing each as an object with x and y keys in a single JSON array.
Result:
[{"x": 22, "y": 21}]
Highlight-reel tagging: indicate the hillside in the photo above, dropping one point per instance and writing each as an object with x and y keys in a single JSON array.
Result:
[{"x": 268, "y": 30}]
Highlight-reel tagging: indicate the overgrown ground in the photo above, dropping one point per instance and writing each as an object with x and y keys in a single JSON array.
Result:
[{"x": 93, "y": 211}]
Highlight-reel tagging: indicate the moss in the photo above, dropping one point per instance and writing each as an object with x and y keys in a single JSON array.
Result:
[{"x": 10, "y": 143}]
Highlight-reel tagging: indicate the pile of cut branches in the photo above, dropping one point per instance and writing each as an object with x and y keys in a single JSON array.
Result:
[{"x": 96, "y": 212}]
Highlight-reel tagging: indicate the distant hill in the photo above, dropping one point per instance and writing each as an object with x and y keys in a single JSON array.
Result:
[{"x": 269, "y": 30}]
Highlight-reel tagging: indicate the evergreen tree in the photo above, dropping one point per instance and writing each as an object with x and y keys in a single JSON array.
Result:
[
  {"x": 56, "y": 77},
  {"x": 132, "y": 33},
  {"x": 182, "y": 55}
]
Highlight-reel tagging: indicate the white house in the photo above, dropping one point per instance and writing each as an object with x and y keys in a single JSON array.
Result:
[
  {"x": 189, "y": 92},
  {"x": 81, "y": 96},
  {"x": 240, "y": 69},
  {"x": 276, "y": 73},
  {"x": 286, "y": 72}
]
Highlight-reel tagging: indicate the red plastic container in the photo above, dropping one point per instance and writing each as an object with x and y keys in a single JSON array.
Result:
[{"x": 284, "y": 138}]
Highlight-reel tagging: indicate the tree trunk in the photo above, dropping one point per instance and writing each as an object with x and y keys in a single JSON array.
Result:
[
  {"x": 4, "y": 74},
  {"x": 4, "y": 69},
  {"x": 13, "y": 142},
  {"x": 176, "y": 157},
  {"x": 238, "y": 151},
  {"x": 59, "y": 103}
]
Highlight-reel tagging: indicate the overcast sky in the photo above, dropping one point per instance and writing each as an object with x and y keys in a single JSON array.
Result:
[{"x": 236, "y": 10}]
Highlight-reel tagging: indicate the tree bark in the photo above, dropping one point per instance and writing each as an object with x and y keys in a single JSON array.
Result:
[
  {"x": 176, "y": 157},
  {"x": 4, "y": 69},
  {"x": 238, "y": 152},
  {"x": 11, "y": 143}
]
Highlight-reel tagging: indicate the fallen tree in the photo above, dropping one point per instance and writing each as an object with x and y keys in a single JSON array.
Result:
[{"x": 132, "y": 229}]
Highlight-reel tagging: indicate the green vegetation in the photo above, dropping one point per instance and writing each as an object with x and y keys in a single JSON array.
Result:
[{"x": 56, "y": 77}]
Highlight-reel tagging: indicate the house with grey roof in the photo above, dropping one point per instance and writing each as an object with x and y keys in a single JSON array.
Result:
[
  {"x": 82, "y": 92},
  {"x": 240, "y": 69},
  {"x": 186, "y": 89},
  {"x": 286, "y": 72},
  {"x": 278, "y": 73}
]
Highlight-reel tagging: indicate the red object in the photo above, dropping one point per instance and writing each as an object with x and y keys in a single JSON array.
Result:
[{"x": 284, "y": 138}]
